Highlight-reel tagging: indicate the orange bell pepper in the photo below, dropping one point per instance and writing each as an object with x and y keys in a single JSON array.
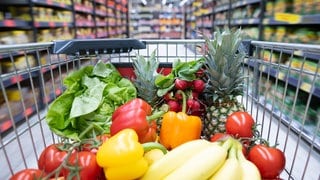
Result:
[{"x": 178, "y": 128}]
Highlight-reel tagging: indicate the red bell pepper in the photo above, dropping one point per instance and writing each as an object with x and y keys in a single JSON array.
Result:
[{"x": 136, "y": 115}]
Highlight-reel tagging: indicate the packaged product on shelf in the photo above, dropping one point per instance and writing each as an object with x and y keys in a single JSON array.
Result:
[
  {"x": 252, "y": 32},
  {"x": 20, "y": 63},
  {"x": 306, "y": 35},
  {"x": 283, "y": 6},
  {"x": 280, "y": 34},
  {"x": 6, "y": 38},
  {"x": 269, "y": 9},
  {"x": 14, "y": 96},
  {"x": 306, "y": 64},
  {"x": 19, "y": 13},
  {"x": 268, "y": 33},
  {"x": 45, "y": 35}
]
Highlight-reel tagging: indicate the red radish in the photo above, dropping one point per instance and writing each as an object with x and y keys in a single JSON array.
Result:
[
  {"x": 181, "y": 84},
  {"x": 200, "y": 73},
  {"x": 193, "y": 105},
  {"x": 195, "y": 95},
  {"x": 198, "y": 85},
  {"x": 173, "y": 105},
  {"x": 168, "y": 96},
  {"x": 178, "y": 96}
]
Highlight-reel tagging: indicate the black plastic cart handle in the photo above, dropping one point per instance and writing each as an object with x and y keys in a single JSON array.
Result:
[{"x": 96, "y": 46}]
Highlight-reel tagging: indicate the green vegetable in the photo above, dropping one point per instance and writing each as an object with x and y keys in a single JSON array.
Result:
[
  {"x": 85, "y": 108},
  {"x": 180, "y": 69}
]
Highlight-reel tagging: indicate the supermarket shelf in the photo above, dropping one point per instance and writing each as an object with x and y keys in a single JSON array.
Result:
[
  {"x": 51, "y": 3},
  {"x": 303, "y": 20},
  {"x": 244, "y": 3},
  {"x": 103, "y": 2},
  {"x": 250, "y": 21},
  {"x": 5, "y": 125},
  {"x": 83, "y": 9},
  {"x": 295, "y": 126},
  {"x": 52, "y": 24},
  {"x": 223, "y": 7},
  {"x": 18, "y": 78},
  {"x": 14, "y": 24},
  {"x": 307, "y": 87},
  {"x": 220, "y": 22}
]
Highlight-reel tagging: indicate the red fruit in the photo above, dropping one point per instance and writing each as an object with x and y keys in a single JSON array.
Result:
[
  {"x": 240, "y": 124},
  {"x": 168, "y": 96},
  {"x": 270, "y": 161},
  {"x": 87, "y": 164},
  {"x": 200, "y": 73},
  {"x": 219, "y": 137},
  {"x": 28, "y": 174},
  {"x": 51, "y": 158},
  {"x": 195, "y": 95},
  {"x": 181, "y": 84},
  {"x": 198, "y": 85},
  {"x": 178, "y": 96},
  {"x": 193, "y": 105},
  {"x": 174, "y": 105}
]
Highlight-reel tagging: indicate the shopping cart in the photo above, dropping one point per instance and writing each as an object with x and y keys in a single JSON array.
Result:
[{"x": 282, "y": 92}]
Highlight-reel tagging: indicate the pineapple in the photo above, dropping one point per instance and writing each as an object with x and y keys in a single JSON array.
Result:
[
  {"x": 224, "y": 79},
  {"x": 146, "y": 72}
]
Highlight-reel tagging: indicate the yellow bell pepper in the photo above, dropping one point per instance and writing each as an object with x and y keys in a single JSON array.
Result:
[{"x": 121, "y": 156}]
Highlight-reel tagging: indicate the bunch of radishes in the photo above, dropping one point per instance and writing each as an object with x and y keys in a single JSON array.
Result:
[{"x": 192, "y": 90}]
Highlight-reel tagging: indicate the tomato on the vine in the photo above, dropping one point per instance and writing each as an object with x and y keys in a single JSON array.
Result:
[
  {"x": 51, "y": 158},
  {"x": 86, "y": 166},
  {"x": 219, "y": 136},
  {"x": 28, "y": 174},
  {"x": 240, "y": 124},
  {"x": 269, "y": 160},
  {"x": 94, "y": 143}
]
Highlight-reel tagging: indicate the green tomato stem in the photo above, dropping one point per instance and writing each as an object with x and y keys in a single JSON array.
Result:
[
  {"x": 155, "y": 115},
  {"x": 184, "y": 101},
  {"x": 148, "y": 146}
]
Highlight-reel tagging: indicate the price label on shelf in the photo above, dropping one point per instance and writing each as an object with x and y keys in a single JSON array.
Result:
[
  {"x": 287, "y": 17},
  {"x": 9, "y": 23}
]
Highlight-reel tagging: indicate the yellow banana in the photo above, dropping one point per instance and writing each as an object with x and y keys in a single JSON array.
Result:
[
  {"x": 174, "y": 159},
  {"x": 202, "y": 165},
  {"x": 249, "y": 170},
  {"x": 230, "y": 170}
]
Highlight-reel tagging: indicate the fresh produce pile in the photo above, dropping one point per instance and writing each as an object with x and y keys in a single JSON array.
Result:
[{"x": 186, "y": 124}]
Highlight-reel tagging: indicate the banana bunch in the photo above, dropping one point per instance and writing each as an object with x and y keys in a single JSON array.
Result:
[{"x": 202, "y": 160}]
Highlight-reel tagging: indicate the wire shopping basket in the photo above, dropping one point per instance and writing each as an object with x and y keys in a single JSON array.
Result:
[{"x": 281, "y": 91}]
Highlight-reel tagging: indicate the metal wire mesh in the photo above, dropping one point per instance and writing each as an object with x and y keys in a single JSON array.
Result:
[{"x": 282, "y": 92}]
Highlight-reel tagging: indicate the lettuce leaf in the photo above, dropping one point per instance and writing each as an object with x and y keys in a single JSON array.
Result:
[{"x": 86, "y": 106}]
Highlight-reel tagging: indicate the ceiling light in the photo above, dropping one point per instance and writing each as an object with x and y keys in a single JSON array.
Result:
[
  {"x": 182, "y": 2},
  {"x": 144, "y": 2}
]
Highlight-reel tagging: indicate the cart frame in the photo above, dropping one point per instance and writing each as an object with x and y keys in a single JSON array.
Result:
[{"x": 21, "y": 141}]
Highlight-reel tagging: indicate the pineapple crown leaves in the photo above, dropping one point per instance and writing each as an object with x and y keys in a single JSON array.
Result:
[
  {"x": 223, "y": 63},
  {"x": 145, "y": 70}
]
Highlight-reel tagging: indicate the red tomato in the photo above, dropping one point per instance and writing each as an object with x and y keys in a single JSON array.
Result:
[
  {"x": 218, "y": 136},
  {"x": 240, "y": 124},
  {"x": 28, "y": 174},
  {"x": 93, "y": 144},
  {"x": 86, "y": 161},
  {"x": 269, "y": 160},
  {"x": 51, "y": 158}
]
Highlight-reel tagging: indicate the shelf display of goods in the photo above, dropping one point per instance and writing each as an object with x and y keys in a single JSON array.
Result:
[{"x": 114, "y": 127}]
